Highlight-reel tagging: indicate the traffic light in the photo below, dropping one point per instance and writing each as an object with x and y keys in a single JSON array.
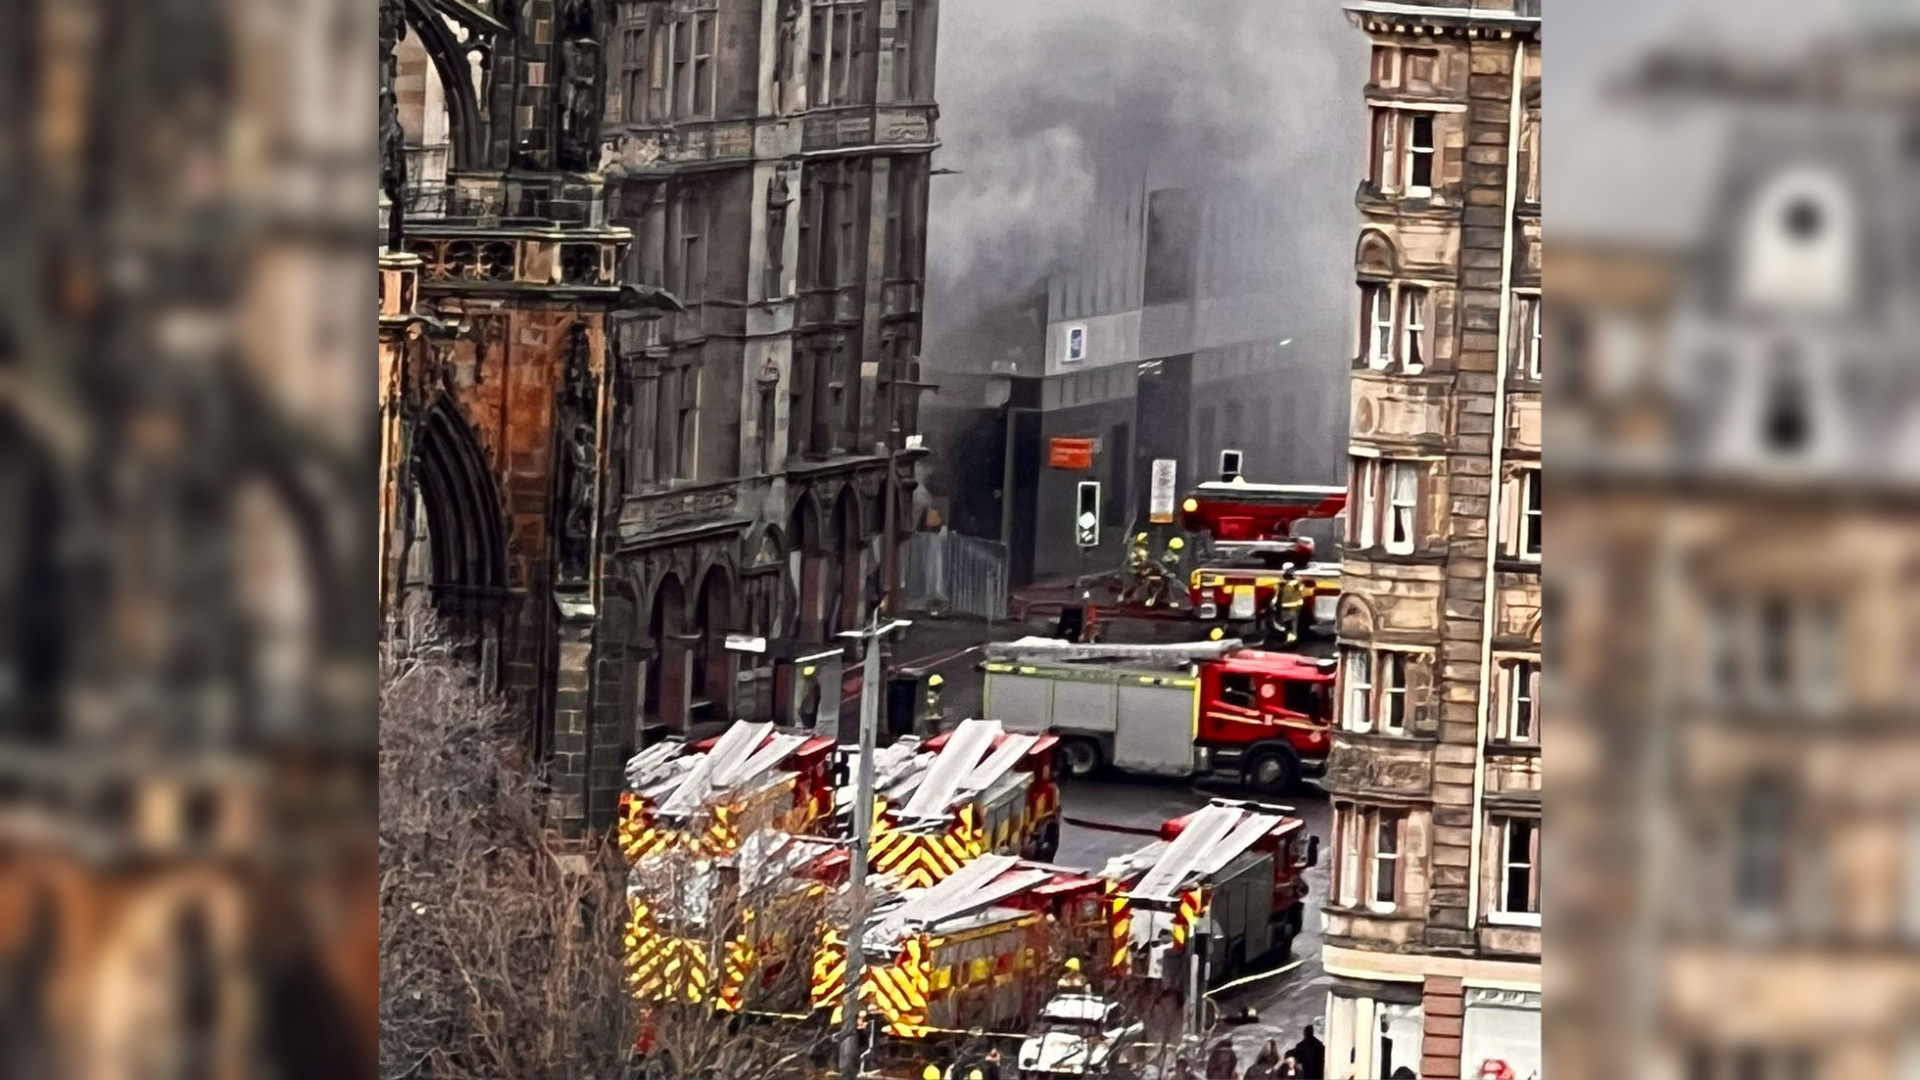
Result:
[
  {"x": 1086, "y": 515},
  {"x": 1229, "y": 464}
]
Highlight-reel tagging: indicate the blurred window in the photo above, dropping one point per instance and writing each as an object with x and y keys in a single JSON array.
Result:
[
  {"x": 1910, "y": 906},
  {"x": 1533, "y": 517},
  {"x": 1528, "y": 338},
  {"x": 1413, "y": 329},
  {"x": 903, "y": 45},
  {"x": 1789, "y": 424},
  {"x": 1761, "y": 842}
]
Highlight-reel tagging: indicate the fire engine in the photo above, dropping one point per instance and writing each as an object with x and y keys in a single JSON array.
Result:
[
  {"x": 941, "y": 803},
  {"x": 1247, "y": 539},
  {"x": 1230, "y": 876},
  {"x": 970, "y": 952},
  {"x": 706, "y": 796},
  {"x": 1189, "y": 709}
]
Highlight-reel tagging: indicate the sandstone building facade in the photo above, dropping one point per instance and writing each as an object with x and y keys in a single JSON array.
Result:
[{"x": 1433, "y": 920}]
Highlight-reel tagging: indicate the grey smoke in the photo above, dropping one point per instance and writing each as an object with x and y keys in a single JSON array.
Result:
[{"x": 1046, "y": 104}]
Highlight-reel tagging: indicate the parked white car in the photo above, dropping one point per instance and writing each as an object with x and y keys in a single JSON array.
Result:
[{"x": 1076, "y": 1034}]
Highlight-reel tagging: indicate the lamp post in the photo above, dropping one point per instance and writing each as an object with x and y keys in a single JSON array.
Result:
[{"x": 862, "y": 835}]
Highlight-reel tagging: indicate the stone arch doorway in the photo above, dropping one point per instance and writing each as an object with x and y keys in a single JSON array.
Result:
[
  {"x": 713, "y": 619},
  {"x": 664, "y": 706},
  {"x": 455, "y": 559}
]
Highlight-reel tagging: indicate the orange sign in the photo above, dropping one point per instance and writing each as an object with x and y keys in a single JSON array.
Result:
[{"x": 1070, "y": 453}]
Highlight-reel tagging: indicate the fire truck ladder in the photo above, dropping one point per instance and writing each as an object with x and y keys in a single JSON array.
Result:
[
  {"x": 1053, "y": 650},
  {"x": 729, "y": 751},
  {"x": 1207, "y": 827},
  {"x": 957, "y": 760},
  {"x": 979, "y": 884},
  {"x": 1011, "y": 749}
]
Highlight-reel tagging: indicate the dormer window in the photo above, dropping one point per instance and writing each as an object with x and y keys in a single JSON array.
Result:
[{"x": 1798, "y": 245}]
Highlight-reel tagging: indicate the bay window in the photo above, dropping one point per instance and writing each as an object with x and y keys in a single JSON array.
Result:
[
  {"x": 1403, "y": 493},
  {"x": 1376, "y": 306},
  {"x": 1377, "y": 690},
  {"x": 1357, "y": 676}
]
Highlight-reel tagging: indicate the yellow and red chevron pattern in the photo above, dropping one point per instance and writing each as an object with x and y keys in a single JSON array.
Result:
[
  {"x": 718, "y": 831},
  {"x": 661, "y": 967},
  {"x": 829, "y": 985},
  {"x": 733, "y": 975},
  {"x": 922, "y": 859},
  {"x": 1120, "y": 927},
  {"x": 897, "y": 991},
  {"x": 1192, "y": 903}
]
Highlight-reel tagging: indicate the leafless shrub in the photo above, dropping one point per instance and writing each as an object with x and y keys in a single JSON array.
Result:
[{"x": 498, "y": 942}]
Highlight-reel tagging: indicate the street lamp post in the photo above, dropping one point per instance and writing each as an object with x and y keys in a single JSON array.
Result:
[{"x": 862, "y": 835}]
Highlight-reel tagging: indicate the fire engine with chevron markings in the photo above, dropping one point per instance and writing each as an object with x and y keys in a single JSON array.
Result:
[{"x": 940, "y": 803}]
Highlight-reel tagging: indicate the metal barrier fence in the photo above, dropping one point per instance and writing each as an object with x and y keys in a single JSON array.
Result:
[{"x": 961, "y": 575}]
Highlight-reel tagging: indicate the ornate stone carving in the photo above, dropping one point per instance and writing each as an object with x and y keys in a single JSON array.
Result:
[
  {"x": 578, "y": 460},
  {"x": 580, "y": 102},
  {"x": 1372, "y": 768}
]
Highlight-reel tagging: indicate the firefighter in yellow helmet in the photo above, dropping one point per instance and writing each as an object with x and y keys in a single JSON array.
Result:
[
  {"x": 1170, "y": 574},
  {"x": 1139, "y": 569},
  {"x": 1074, "y": 980},
  {"x": 933, "y": 717},
  {"x": 931, "y": 1072},
  {"x": 809, "y": 696},
  {"x": 1289, "y": 604}
]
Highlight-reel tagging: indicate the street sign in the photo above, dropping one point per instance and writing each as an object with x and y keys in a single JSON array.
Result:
[
  {"x": 1086, "y": 515},
  {"x": 1070, "y": 453},
  {"x": 1166, "y": 474}
]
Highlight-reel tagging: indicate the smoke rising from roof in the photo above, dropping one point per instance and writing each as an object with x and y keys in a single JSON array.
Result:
[{"x": 1049, "y": 107}]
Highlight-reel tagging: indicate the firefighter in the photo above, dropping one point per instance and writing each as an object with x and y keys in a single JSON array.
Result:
[
  {"x": 931, "y": 1072},
  {"x": 809, "y": 697},
  {"x": 1290, "y": 604},
  {"x": 1139, "y": 569},
  {"x": 1168, "y": 573},
  {"x": 934, "y": 717},
  {"x": 1074, "y": 981}
]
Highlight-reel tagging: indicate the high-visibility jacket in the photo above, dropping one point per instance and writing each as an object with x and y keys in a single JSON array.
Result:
[{"x": 1293, "y": 593}]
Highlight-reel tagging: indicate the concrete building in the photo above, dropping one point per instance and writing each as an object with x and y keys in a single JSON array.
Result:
[
  {"x": 1433, "y": 922},
  {"x": 1737, "y": 319},
  {"x": 1170, "y": 336},
  {"x": 675, "y": 250}
]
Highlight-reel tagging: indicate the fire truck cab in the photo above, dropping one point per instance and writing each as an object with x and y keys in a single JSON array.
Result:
[{"x": 1189, "y": 709}]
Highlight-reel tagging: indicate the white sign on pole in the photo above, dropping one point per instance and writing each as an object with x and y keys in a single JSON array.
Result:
[{"x": 1160, "y": 503}]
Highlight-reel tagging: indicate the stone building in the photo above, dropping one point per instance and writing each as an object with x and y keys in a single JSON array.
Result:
[
  {"x": 673, "y": 253},
  {"x": 1735, "y": 323},
  {"x": 1433, "y": 919}
]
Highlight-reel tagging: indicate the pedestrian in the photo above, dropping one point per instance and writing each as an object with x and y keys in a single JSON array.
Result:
[
  {"x": 993, "y": 1064},
  {"x": 1311, "y": 1053},
  {"x": 1223, "y": 1064},
  {"x": 1403, "y": 1073},
  {"x": 1266, "y": 1063},
  {"x": 1289, "y": 1068}
]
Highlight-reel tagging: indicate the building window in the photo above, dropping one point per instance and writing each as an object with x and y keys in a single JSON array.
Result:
[
  {"x": 633, "y": 55},
  {"x": 1775, "y": 650},
  {"x": 1369, "y": 844},
  {"x": 1384, "y": 864},
  {"x": 1529, "y": 337},
  {"x": 701, "y": 103},
  {"x": 1380, "y": 163},
  {"x": 1403, "y": 497},
  {"x": 1376, "y": 307},
  {"x": 1358, "y": 678},
  {"x": 1420, "y": 154},
  {"x": 1386, "y": 65},
  {"x": 903, "y": 52},
  {"x": 1760, "y": 853},
  {"x": 1532, "y": 516},
  {"x": 1393, "y": 692},
  {"x": 1520, "y": 701},
  {"x": 765, "y": 422},
  {"x": 1517, "y": 897},
  {"x": 1413, "y": 329},
  {"x": 687, "y": 423},
  {"x": 838, "y": 52},
  {"x": 1788, "y": 421},
  {"x": 691, "y": 254},
  {"x": 1530, "y": 144}
]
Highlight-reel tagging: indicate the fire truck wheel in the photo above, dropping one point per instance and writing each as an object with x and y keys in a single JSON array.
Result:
[
  {"x": 1080, "y": 757},
  {"x": 1272, "y": 772},
  {"x": 1047, "y": 844}
]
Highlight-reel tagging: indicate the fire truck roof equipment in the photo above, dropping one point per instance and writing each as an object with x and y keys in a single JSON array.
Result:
[
  {"x": 1208, "y": 839},
  {"x": 1053, "y": 650}
]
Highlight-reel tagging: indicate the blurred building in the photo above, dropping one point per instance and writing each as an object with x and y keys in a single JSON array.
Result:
[
  {"x": 1734, "y": 359},
  {"x": 1433, "y": 922},
  {"x": 672, "y": 257}
]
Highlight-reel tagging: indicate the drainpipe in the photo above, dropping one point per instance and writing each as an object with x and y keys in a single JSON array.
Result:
[{"x": 1493, "y": 501}]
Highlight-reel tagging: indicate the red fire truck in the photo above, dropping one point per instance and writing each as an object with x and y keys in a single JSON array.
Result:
[
  {"x": 1190, "y": 709},
  {"x": 708, "y": 796},
  {"x": 1231, "y": 873},
  {"x": 942, "y": 803},
  {"x": 1246, "y": 541}
]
